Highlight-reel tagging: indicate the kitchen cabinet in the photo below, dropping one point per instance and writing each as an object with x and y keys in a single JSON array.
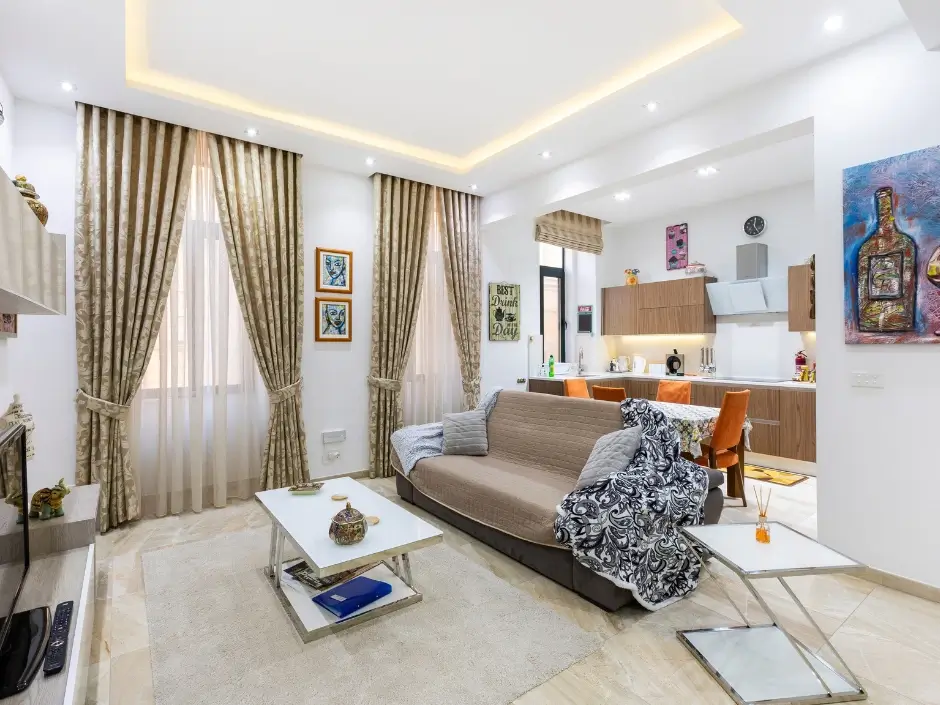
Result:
[
  {"x": 763, "y": 409},
  {"x": 799, "y": 285},
  {"x": 547, "y": 385},
  {"x": 619, "y": 310},
  {"x": 798, "y": 424},
  {"x": 675, "y": 307}
]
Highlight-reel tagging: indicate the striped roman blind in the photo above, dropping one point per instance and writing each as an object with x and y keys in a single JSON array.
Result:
[{"x": 570, "y": 230}]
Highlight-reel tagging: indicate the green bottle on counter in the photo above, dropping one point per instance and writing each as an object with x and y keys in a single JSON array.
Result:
[{"x": 551, "y": 365}]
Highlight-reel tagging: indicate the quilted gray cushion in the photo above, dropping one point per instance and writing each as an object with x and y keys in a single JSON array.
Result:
[
  {"x": 465, "y": 433},
  {"x": 611, "y": 454}
]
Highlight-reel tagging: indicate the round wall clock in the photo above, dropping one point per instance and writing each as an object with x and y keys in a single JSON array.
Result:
[{"x": 754, "y": 226}]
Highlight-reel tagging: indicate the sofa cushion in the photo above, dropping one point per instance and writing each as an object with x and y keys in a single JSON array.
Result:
[
  {"x": 465, "y": 433},
  {"x": 612, "y": 453},
  {"x": 516, "y": 499},
  {"x": 716, "y": 478},
  {"x": 554, "y": 434}
]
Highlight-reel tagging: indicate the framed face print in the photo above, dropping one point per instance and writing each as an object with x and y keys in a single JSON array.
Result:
[
  {"x": 334, "y": 271},
  {"x": 333, "y": 320}
]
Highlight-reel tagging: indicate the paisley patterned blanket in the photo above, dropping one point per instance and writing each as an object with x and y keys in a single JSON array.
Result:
[{"x": 626, "y": 528}]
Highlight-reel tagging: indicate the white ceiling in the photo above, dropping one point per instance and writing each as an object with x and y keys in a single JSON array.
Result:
[
  {"x": 420, "y": 85},
  {"x": 778, "y": 165}
]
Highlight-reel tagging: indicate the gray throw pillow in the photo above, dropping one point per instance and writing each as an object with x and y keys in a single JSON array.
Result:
[
  {"x": 465, "y": 433},
  {"x": 612, "y": 453}
]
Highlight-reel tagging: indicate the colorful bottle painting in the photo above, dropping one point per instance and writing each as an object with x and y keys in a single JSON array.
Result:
[{"x": 887, "y": 274}]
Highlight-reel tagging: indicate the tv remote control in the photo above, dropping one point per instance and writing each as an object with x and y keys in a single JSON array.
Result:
[{"x": 58, "y": 639}]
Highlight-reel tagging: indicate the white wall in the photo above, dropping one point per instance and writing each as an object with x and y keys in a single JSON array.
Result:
[
  {"x": 40, "y": 364},
  {"x": 758, "y": 346},
  {"x": 6, "y": 129},
  {"x": 338, "y": 214}
]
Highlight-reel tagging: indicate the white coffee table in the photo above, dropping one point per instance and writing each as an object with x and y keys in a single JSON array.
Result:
[
  {"x": 304, "y": 520},
  {"x": 765, "y": 663}
]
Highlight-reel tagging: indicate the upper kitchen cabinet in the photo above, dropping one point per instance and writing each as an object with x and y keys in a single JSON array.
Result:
[
  {"x": 799, "y": 285},
  {"x": 619, "y": 314},
  {"x": 674, "y": 307},
  {"x": 32, "y": 260}
]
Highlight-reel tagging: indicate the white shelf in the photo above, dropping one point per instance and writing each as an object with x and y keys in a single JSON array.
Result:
[{"x": 32, "y": 260}]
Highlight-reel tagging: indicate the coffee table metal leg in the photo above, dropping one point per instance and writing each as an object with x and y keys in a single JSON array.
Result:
[
  {"x": 720, "y": 586},
  {"x": 786, "y": 632},
  {"x": 406, "y": 568},
  {"x": 396, "y": 566},
  {"x": 278, "y": 558},
  {"x": 273, "y": 550}
]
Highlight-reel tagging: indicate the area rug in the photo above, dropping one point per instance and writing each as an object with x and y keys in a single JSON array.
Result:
[
  {"x": 218, "y": 634},
  {"x": 777, "y": 477}
]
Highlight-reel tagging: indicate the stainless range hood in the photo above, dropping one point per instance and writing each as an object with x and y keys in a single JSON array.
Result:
[{"x": 753, "y": 291}]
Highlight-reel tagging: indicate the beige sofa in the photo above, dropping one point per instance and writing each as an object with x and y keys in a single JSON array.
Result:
[{"x": 538, "y": 445}]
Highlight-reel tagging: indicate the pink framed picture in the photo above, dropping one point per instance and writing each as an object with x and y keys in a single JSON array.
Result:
[{"x": 677, "y": 246}]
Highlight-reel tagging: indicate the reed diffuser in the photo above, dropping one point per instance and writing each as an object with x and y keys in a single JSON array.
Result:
[{"x": 762, "y": 533}]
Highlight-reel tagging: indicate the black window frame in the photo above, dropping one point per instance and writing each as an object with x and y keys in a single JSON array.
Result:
[{"x": 546, "y": 272}]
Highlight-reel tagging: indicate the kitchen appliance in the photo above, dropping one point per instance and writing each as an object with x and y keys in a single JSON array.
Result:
[
  {"x": 753, "y": 291},
  {"x": 639, "y": 363},
  {"x": 622, "y": 364},
  {"x": 675, "y": 364}
]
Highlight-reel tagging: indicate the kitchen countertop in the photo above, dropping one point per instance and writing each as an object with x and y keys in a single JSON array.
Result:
[{"x": 687, "y": 378}]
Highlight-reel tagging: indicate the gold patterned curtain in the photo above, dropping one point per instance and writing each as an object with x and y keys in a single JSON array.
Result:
[
  {"x": 403, "y": 212},
  {"x": 460, "y": 230},
  {"x": 132, "y": 185},
  {"x": 570, "y": 230},
  {"x": 258, "y": 190}
]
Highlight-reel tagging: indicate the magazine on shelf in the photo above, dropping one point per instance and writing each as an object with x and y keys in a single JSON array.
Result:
[{"x": 302, "y": 573}]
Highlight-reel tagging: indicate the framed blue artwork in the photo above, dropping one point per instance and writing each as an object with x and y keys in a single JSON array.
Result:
[{"x": 334, "y": 271}]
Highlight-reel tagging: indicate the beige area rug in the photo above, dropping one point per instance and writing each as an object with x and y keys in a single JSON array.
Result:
[{"x": 218, "y": 634}]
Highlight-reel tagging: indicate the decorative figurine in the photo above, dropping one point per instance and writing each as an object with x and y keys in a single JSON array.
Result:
[
  {"x": 16, "y": 414},
  {"x": 47, "y": 502},
  {"x": 630, "y": 277},
  {"x": 28, "y": 191},
  {"x": 16, "y": 499},
  {"x": 349, "y": 526},
  {"x": 305, "y": 488}
]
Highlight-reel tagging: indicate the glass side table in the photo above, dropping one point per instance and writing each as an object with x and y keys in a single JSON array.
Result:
[{"x": 760, "y": 664}]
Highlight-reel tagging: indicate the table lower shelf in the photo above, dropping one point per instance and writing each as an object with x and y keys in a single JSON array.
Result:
[
  {"x": 759, "y": 666},
  {"x": 313, "y": 622}
]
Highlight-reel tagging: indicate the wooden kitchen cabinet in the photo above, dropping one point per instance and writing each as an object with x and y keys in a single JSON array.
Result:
[
  {"x": 675, "y": 307},
  {"x": 798, "y": 424},
  {"x": 619, "y": 310},
  {"x": 799, "y": 298}
]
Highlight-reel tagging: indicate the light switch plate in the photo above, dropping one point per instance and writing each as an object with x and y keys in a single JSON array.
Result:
[
  {"x": 337, "y": 436},
  {"x": 867, "y": 380}
]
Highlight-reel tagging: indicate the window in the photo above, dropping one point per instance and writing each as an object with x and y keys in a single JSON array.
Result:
[{"x": 552, "y": 324}]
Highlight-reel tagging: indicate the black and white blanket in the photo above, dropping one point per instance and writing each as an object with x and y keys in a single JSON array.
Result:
[{"x": 626, "y": 528}]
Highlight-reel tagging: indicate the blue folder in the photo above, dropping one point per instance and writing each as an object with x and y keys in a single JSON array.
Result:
[{"x": 345, "y": 598}]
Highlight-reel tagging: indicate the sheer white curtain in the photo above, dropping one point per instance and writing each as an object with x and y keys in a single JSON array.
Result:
[
  {"x": 432, "y": 385},
  {"x": 198, "y": 423}
]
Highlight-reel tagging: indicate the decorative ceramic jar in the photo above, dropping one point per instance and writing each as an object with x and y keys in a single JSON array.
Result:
[
  {"x": 16, "y": 414},
  {"x": 630, "y": 277},
  {"x": 349, "y": 526},
  {"x": 695, "y": 269},
  {"x": 28, "y": 191}
]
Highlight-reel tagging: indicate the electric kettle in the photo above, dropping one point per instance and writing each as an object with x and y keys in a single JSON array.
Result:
[{"x": 639, "y": 363}]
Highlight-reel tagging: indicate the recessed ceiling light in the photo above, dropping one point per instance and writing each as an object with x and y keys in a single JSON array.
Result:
[
  {"x": 370, "y": 161},
  {"x": 67, "y": 86},
  {"x": 252, "y": 131},
  {"x": 545, "y": 155},
  {"x": 652, "y": 106},
  {"x": 473, "y": 187},
  {"x": 622, "y": 196},
  {"x": 705, "y": 171},
  {"x": 833, "y": 24}
]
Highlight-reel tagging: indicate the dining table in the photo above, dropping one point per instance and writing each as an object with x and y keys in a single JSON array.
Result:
[{"x": 695, "y": 425}]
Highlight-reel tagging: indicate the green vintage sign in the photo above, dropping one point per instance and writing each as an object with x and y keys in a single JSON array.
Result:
[{"x": 504, "y": 311}]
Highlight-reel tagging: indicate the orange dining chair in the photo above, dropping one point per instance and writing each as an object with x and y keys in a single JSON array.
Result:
[
  {"x": 576, "y": 387},
  {"x": 674, "y": 392},
  {"x": 722, "y": 451},
  {"x": 609, "y": 393}
]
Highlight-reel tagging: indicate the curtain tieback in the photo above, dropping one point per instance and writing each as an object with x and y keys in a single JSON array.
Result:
[
  {"x": 101, "y": 406},
  {"x": 285, "y": 393},
  {"x": 389, "y": 385},
  {"x": 471, "y": 386}
]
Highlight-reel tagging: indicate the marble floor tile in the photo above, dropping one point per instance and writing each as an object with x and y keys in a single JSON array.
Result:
[
  {"x": 101, "y": 633},
  {"x": 129, "y": 630},
  {"x": 903, "y": 618},
  {"x": 126, "y": 575},
  {"x": 131, "y": 679},
  {"x": 99, "y": 684}
]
